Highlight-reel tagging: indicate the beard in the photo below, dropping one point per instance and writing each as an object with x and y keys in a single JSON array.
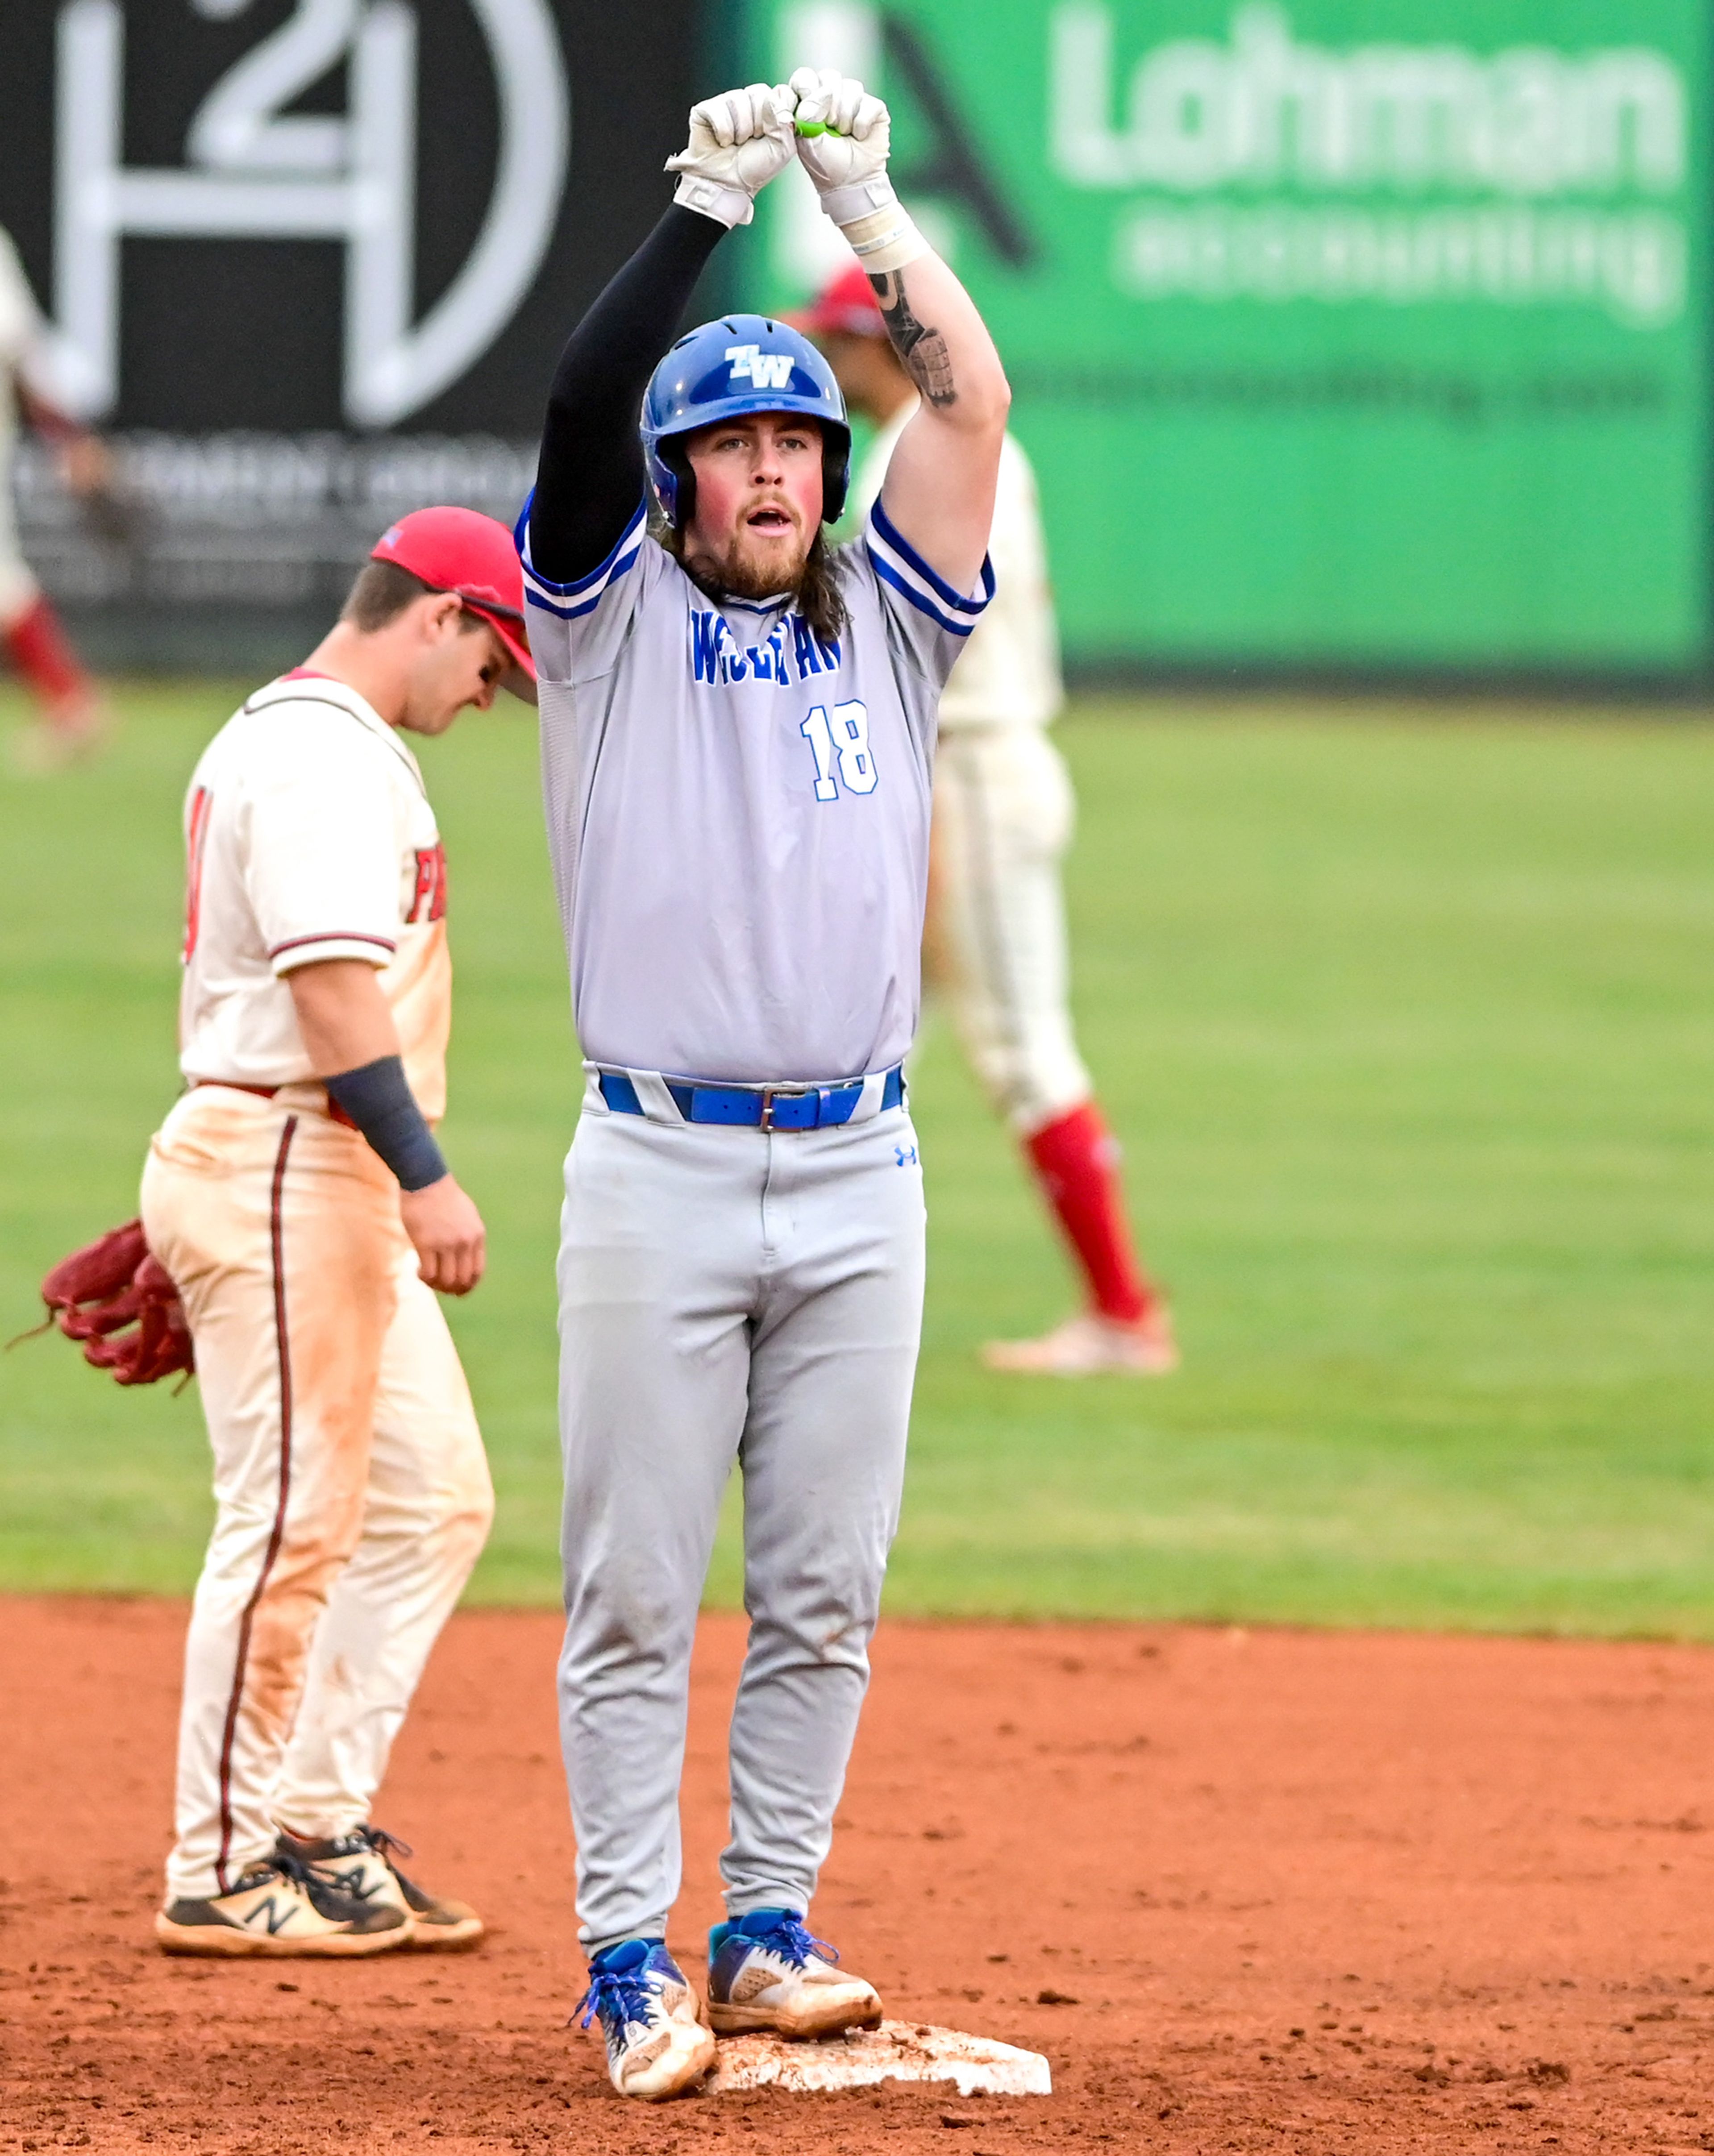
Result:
[
  {"x": 813, "y": 579},
  {"x": 737, "y": 573}
]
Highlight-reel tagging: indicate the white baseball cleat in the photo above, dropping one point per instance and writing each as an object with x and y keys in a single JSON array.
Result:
[
  {"x": 765, "y": 1971},
  {"x": 362, "y": 1866},
  {"x": 1088, "y": 1345},
  {"x": 657, "y": 2045},
  {"x": 269, "y": 1911}
]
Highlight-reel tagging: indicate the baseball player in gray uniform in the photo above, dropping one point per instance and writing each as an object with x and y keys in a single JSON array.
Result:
[{"x": 738, "y": 727}]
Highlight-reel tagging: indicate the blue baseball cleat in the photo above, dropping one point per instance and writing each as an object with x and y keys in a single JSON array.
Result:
[
  {"x": 766, "y": 1971},
  {"x": 657, "y": 2045}
]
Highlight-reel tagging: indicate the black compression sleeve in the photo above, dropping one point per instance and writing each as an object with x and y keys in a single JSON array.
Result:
[
  {"x": 590, "y": 477},
  {"x": 378, "y": 1099}
]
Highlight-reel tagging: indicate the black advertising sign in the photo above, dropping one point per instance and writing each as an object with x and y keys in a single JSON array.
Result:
[{"x": 311, "y": 261}]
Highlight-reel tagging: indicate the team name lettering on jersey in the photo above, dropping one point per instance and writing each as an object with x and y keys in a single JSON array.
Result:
[
  {"x": 429, "y": 902},
  {"x": 717, "y": 656},
  {"x": 196, "y": 842}
]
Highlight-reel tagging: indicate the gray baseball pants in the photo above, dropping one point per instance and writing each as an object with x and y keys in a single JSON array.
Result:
[{"x": 725, "y": 1294}]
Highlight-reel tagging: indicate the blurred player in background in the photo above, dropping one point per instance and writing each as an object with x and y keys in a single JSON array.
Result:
[
  {"x": 70, "y": 716},
  {"x": 1003, "y": 817}
]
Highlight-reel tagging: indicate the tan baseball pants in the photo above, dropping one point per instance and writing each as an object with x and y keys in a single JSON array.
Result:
[
  {"x": 351, "y": 1490},
  {"x": 1003, "y": 811}
]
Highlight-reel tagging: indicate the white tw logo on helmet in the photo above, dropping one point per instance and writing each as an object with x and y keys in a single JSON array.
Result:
[{"x": 767, "y": 370}]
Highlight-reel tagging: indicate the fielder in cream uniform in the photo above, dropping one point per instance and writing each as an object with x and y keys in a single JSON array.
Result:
[
  {"x": 1002, "y": 818},
  {"x": 298, "y": 1197}
]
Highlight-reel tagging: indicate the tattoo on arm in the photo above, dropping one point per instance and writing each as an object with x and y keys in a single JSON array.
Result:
[{"x": 923, "y": 349}]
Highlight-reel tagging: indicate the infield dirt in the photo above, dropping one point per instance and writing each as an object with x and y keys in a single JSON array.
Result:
[{"x": 1247, "y": 1891}]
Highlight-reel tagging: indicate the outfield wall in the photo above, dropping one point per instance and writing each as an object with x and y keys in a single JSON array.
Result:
[
  {"x": 1354, "y": 340},
  {"x": 311, "y": 262},
  {"x": 1349, "y": 336}
]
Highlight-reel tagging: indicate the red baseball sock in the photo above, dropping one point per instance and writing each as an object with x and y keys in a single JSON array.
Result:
[
  {"x": 36, "y": 646},
  {"x": 1077, "y": 1162}
]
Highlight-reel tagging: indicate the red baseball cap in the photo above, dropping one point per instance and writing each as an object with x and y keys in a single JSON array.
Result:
[
  {"x": 473, "y": 557},
  {"x": 845, "y": 304}
]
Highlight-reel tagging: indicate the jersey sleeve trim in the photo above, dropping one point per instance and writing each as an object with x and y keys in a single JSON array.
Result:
[
  {"x": 899, "y": 564},
  {"x": 331, "y": 944},
  {"x": 583, "y": 595}
]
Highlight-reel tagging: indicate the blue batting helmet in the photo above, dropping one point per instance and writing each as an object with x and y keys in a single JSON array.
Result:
[{"x": 742, "y": 363}]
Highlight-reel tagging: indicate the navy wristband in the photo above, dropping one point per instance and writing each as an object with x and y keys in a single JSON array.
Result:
[{"x": 378, "y": 1099}]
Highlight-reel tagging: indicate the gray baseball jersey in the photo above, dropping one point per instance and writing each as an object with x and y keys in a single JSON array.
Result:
[{"x": 737, "y": 813}]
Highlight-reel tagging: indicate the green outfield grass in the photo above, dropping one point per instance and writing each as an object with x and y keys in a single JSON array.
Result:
[{"x": 1406, "y": 1022}]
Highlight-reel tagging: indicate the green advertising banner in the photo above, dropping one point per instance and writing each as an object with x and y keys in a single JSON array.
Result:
[{"x": 1344, "y": 333}]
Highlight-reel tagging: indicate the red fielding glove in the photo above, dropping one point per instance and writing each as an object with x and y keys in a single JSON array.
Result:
[{"x": 118, "y": 1299}]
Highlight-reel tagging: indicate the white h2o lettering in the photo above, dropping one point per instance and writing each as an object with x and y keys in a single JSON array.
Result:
[
  {"x": 766, "y": 370},
  {"x": 257, "y": 170},
  {"x": 845, "y": 742}
]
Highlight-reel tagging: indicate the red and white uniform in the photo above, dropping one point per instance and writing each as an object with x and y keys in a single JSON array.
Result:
[
  {"x": 1003, "y": 811},
  {"x": 352, "y": 1492},
  {"x": 32, "y": 636},
  {"x": 21, "y": 347},
  {"x": 309, "y": 837}
]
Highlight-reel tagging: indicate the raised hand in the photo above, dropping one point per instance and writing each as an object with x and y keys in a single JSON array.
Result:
[
  {"x": 739, "y": 140},
  {"x": 843, "y": 133}
]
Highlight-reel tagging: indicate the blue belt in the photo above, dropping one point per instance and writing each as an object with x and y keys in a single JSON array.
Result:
[{"x": 764, "y": 1107}]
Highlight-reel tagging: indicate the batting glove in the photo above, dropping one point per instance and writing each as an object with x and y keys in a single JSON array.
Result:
[
  {"x": 738, "y": 141},
  {"x": 843, "y": 135}
]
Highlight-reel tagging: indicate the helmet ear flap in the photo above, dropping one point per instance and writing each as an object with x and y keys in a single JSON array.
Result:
[
  {"x": 678, "y": 500},
  {"x": 835, "y": 472}
]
